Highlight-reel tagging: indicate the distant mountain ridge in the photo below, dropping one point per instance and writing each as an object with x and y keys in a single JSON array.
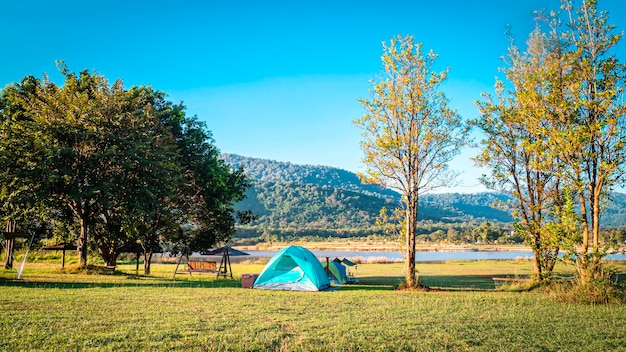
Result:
[
  {"x": 309, "y": 199},
  {"x": 264, "y": 170}
]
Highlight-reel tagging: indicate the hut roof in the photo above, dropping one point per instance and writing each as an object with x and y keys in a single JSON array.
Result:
[
  {"x": 226, "y": 249},
  {"x": 61, "y": 247}
]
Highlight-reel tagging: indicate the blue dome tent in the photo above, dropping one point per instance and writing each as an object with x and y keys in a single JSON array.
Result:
[{"x": 293, "y": 268}]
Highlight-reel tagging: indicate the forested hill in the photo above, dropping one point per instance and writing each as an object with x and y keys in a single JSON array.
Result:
[
  {"x": 323, "y": 200},
  {"x": 263, "y": 170}
]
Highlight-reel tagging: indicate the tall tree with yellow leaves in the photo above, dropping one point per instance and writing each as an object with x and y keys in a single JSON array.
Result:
[{"x": 410, "y": 133}]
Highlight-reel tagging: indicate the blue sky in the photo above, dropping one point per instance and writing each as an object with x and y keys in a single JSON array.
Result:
[{"x": 272, "y": 79}]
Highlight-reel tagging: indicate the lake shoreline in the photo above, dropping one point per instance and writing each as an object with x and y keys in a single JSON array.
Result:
[{"x": 384, "y": 246}]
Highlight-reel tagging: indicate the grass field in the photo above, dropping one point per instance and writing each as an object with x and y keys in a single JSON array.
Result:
[{"x": 59, "y": 310}]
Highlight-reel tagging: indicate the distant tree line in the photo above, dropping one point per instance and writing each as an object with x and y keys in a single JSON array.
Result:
[
  {"x": 426, "y": 233},
  {"x": 112, "y": 169}
]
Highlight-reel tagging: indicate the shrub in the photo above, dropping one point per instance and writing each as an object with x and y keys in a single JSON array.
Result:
[{"x": 604, "y": 289}]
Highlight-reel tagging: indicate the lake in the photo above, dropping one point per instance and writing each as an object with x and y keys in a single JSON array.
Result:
[{"x": 425, "y": 256}]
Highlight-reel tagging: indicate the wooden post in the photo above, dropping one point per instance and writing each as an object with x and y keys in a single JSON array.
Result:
[
  {"x": 63, "y": 258},
  {"x": 222, "y": 265},
  {"x": 177, "y": 264},
  {"x": 225, "y": 266},
  {"x": 230, "y": 268},
  {"x": 137, "y": 266}
]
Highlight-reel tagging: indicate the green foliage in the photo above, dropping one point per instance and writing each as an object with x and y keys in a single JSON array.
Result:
[
  {"x": 557, "y": 130},
  {"x": 515, "y": 150},
  {"x": 410, "y": 134},
  {"x": 605, "y": 288},
  {"x": 121, "y": 168},
  {"x": 591, "y": 139},
  {"x": 210, "y": 189},
  {"x": 271, "y": 171}
]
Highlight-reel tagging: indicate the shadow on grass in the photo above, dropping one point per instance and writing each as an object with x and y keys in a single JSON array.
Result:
[
  {"x": 136, "y": 282},
  {"x": 374, "y": 283},
  {"x": 446, "y": 282},
  {"x": 371, "y": 283},
  {"x": 459, "y": 282},
  {"x": 438, "y": 282}
]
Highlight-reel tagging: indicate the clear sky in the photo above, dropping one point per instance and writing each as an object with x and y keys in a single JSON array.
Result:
[{"x": 272, "y": 79}]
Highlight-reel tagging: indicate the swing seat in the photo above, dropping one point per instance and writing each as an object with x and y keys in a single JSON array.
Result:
[{"x": 200, "y": 266}]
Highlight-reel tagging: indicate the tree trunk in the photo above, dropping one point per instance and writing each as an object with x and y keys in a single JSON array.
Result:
[
  {"x": 10, "y": 245},
  {"x": 110, "y": 259},
  {"x": 537, "y": 265},
  {"x": 8, "y": 261},
  {"x": 411, "y": 222},
  {"x": 582, "y": 267},
  {"x": 596, "y": 219},
  {"x": 108, "y": 252},
  {"x": 147, "y": 257},
  {"x": 534, "y": 238},
  {"x": 548, "y": 263},
  {"x": 594, "y": 267},
  {"x": 82, "y": 241}
]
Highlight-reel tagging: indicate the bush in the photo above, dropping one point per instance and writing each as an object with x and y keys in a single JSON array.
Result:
[{"x": 605, "y": 289}]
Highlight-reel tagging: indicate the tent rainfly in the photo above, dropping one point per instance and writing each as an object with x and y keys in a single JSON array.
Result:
[
  {"x": 293, "y": 268},
  {"x": 336, "y": 272}
]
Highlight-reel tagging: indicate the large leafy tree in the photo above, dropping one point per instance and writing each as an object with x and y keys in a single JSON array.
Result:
[
  {"x": 18, "y": 203},
  {"x": 156, "y": 211},
  {"x": 561, "y": 131},
  {"x": 210, "y": 189},
  {"x": 591, "y": 141},
  {"x": 129, "y": 166},
  {"x": 410, "y": 133},
  {"x": 80, "y": 158},
  {"x": 141, "y": 166},
  {"x": 515, "y": 147}
]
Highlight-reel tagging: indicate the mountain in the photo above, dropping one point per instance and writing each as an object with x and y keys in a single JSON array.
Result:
[
  {"x": 306, "y": 200},
  {"x": 264, "y": 171}
]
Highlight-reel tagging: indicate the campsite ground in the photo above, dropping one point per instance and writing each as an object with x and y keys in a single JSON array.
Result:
[{"x": 56, "y": 309}]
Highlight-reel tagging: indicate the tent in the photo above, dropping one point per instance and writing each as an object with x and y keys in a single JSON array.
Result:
[
  {"x": 346, "y": 262},
  {"x": 337, "y": 272},
  {"x": 293, "y": 268},
  {"x": 351, "y": 273},
  {"x": 347, "y": 271}
]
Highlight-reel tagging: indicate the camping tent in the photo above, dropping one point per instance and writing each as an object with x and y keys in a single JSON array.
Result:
[
  {"x": 351, "y": 273},
  {"x": 337, "y": 272},
  {"x": 293, "y": 268}
]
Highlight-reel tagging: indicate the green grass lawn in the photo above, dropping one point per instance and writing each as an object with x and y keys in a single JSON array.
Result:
[{"x": 59, "y": 310}]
